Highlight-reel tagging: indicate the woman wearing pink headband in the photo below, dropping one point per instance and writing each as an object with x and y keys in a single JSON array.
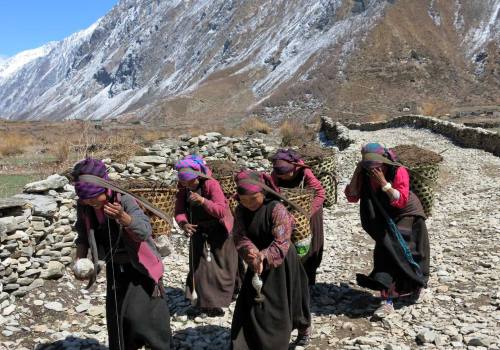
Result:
[
  {"x": 263, "y": 227},
  {"x": 202, "y": 211},
  {"x": 289, "y": 171},
  {"x": 393, "y": 216}
]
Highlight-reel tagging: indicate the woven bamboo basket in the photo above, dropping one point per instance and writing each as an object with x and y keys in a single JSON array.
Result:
[
  {"x": 303, "y": 198},
  {"x": 422, "y": 182},
  {"x": 228, "y": 185},
  {"x": 162, "y": 198},
  {"x": 325, "y": 169},
  {"x": 423, "y": 166}
]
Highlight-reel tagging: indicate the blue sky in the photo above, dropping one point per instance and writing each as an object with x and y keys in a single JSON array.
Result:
[{"x": 27, "y": 24}]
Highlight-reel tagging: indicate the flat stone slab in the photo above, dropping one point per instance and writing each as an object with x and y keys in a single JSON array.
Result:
[
  {"x": 12, "y": 202},
  {"x": 53, "y": 182},
  {"x": 42, "y": 205}
]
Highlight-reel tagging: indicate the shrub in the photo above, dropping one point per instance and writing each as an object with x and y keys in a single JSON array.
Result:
[
  {"x": 294, "y": 133},
  {"x": 255, "y": 124}
]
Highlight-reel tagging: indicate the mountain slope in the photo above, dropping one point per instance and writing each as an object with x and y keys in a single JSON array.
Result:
[{"x": 184, "y": 60}]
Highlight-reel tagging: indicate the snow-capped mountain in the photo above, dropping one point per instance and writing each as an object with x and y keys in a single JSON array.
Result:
[{"x": 179, "y": 58}]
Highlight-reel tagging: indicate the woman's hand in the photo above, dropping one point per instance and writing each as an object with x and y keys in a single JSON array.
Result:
[
  {"x": 256, "y": 261},
  {"x": 189, "y": 229},
  {"x": 115, "y": 211},
  {"x": 379, "y": 176},
  {"x": 196, "y": 198}
]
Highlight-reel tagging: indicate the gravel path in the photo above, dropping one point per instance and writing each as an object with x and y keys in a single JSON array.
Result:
[{"x": 461, "y": 310}]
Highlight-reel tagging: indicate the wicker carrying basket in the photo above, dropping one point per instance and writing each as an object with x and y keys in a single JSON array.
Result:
[
  {"x": 423, "y": 166},
  {"x": 228, "y": 185},
  {"x": 303, "y": 198},
  {"x": 163, "y": 198},
  {"x": 325, "y": 170}
]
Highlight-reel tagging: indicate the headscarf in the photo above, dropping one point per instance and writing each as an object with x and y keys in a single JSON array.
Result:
[
  {"x": 252, "y": 188},
  {"x": 89, "y": 166},
  {"x": 285, "y": 161},
  {"x": 191, "y": 167},
  {"x": 374, "y": 155}
]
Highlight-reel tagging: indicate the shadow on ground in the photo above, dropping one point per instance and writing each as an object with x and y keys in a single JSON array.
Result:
[{"x": 72, "y": 343}]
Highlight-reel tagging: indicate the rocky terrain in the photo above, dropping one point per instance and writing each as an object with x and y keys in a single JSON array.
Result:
[
  {"x": 216, "y": 61},
  {"x": 461, "y": 309}
]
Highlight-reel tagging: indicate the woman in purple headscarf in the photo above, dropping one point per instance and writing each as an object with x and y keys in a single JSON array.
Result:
[
  {"x": 263, "y": 227},
  {"x": 289, "y": 171},
  {"x": 393, "y": 216},
  {"x": 202, "y": 211},
  {"x": 115, "y": 229}
]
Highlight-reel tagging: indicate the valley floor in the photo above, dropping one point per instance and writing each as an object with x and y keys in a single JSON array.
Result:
[{"x": 461, "y": 310}]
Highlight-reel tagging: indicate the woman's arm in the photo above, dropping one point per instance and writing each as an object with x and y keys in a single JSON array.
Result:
[
  {"x": 180, "y": 207},
  {"x": 400, "y": 191},
  {"x": 216, "y": 204},
  {"x": 139, "y": 227},
  {"x": 313, "y": 183},
  {"x": 282, "y": 232},
  {"x": 243, "y": 244},
  {"x": 353, "y": 189}
]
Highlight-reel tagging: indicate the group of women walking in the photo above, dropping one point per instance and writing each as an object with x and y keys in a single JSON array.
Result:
[{"x": 272, "y": 296}]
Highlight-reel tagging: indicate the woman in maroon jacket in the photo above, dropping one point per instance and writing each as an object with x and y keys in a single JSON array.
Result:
[
  {"x": 289, "y": 171},
  {"x": 202, "y": 211}
]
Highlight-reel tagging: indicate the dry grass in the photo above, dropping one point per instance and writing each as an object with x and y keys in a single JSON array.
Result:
[
  {"x": 294, "y": 133},
  {"x": 434, "y": 108},
  {"x": 12, "y": 144},
  {"x": 33, "y": 147},
  {"x": 254, "y": 124}
]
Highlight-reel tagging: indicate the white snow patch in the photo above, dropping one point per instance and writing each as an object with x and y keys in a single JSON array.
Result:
[
  {"x": 489, "y": 30},
  {"x": 434, "y": 13}
]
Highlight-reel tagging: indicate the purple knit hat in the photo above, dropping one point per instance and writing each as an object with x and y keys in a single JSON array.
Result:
[
  {"x": 186, "y": 165},
  {"x": 285, "y": 161},
  {"x": 89, "y": 166}
]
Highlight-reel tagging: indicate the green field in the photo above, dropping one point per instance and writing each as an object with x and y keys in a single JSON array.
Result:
[{"x": 13, "y": 184}]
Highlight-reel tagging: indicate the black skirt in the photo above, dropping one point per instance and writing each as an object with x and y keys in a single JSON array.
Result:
[
  {"x": 268, "y": 325},
  {"x": 135, "y": 317}
]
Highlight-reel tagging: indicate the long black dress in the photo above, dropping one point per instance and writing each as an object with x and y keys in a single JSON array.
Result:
[
  {"x": 268, "y": 325},
  {"x": 214, "y": 277},
  {"x": 392, "y": 270},
  {"x": 139, "y": 313}
]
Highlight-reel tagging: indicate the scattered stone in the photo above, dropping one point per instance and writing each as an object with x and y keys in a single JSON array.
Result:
[{"x": 54, "y": 305}]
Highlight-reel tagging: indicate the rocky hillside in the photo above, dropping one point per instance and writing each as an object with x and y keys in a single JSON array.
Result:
[{"x": 184, "y": 60}]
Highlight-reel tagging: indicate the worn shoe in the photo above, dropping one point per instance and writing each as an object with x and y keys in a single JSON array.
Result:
[
  {"x": 302, "y": 340},
  {"x": 214, "y": 312},
  {"x": 193, "y": 311},
  {"x": 385, "y": 309}
]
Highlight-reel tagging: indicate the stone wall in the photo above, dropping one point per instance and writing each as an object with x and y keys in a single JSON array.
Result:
[
  {"x": 337, "y": 132},
  {"x": 464, "y": 136},
  {"x": 36, "y": 235},
  {"x": 37, "y": 227}
]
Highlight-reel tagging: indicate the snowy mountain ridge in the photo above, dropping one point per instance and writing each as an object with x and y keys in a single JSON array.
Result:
[{"x": 146, "y": 55}]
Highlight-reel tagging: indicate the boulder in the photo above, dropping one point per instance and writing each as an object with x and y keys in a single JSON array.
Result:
[
  {"x": 164, "y": 245},
  {"x": 53, "y": 182},
  {"x": 54, "y": 270},
  {"x": 45, "y": 206}
]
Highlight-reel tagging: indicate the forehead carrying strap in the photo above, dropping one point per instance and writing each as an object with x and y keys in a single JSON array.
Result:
[{"x": 280, "y": 196}]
